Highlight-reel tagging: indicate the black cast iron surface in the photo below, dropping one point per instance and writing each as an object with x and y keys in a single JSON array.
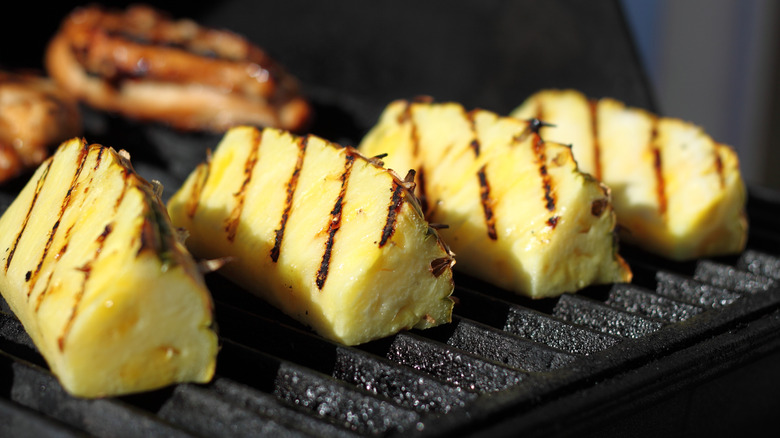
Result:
[{"x": 686, "y": 349}]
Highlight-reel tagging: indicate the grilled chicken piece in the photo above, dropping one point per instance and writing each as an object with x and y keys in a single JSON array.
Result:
[
  {"x": 92, "y": 269},
  {"x": 143, "y": 64},
  {"x": 676, "y": 191},
  {"x": 519, "y": 213},
  {"x": 35, "y": 116},
  {"x": 326, "y": 235}
]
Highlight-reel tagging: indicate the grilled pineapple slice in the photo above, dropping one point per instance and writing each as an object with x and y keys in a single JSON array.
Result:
[
  {"x": 94, "y": 273},
  {"x": 327, "y": 236},
  {"x": 676, "y": 192},
  {"x": 519, "y": 213}
]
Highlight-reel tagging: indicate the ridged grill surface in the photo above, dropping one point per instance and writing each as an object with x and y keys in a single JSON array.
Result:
[
  {"x": 276, "y": 378},
  {"x": 502, "y": 358}
]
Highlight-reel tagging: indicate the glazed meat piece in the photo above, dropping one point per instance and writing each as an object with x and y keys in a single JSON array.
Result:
[
  {"x": 35, "y": 115},
  {"x": 143, "y": 64}
]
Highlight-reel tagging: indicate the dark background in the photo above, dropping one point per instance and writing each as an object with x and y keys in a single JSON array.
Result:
[{"x": 353, "y": 57}]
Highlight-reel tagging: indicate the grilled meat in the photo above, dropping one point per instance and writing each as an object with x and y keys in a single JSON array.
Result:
[
  {"x": 143, "y": 64},
  {"x": 35, "y": 116}
]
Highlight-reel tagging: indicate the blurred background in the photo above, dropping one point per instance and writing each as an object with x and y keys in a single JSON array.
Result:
[{"x": 714, "y": 62}]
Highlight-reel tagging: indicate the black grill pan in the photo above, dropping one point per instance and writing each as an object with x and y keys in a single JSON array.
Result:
[{"x": 687, "y": 349}]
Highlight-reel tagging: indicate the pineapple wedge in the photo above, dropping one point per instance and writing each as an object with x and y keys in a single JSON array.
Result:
[
  {"x": 676, "y": 192},
  {"x": 327, "y": 236},
  {"x": 519, "y": 213},
  {"x": 92, "y": 269}
]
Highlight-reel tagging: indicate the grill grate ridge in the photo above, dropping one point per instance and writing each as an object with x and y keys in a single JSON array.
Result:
[
  {"x": 595, "y": 315},
  {"x": 643, "y": 302}
]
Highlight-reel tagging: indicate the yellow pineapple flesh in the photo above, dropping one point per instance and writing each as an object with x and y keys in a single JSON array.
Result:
[
  {"x": 92, "y": 269},
  {"x": 327, "y": 236},
  {"x": 518, "y": 212},
  {"x": 676, "y": 191}
]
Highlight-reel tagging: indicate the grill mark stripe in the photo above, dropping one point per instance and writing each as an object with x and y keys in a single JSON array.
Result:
[
  {"x": 98, "y": 159},
  {"x": 539, "y": 146},
  {"x": 407, "y": 117},
  {"x": 396, "y": 202},
  {"x": 484, "y": 184},
  {"x": 292, "y": 185},
  {"x": 414, "y": 137},
  {"x": 719, "y": 165},
  {"x": 547, "y": 184},
  {"x": 39, "y": 298},
  {"x": 335, "y": 222},
  {"x": 87, "y": 269},
  {"x": 38, "y": 188},
  {"x": 658, "y": 169},
  {"x": 484, "y": 192},
  {"x": 231, "y": 223},
  {"x": 203, "y": 173},
  {"x": 594, "y": 118},
  {"x": 83, "y": 155}
]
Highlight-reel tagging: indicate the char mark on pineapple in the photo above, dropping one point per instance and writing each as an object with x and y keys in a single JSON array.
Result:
[
  {"x": 87, "y": 270},
  {"x": 232, "y": 221},
  {"x": 38, "y": 187},
  {"x": 407, "y": 116},
  {"x": 594, "y": 127},
  {"x": 66, "y": 201},
  {"x": 660, "y": 188},
  {"x": 396, "y": 202},
  {"x": 487, "y": 203},
  {"x": 719, "y": 166},
  {"x": 292, "y": 184},
  {"x": 484, "y": 184},
  {"x": 547, "y": 183},
  {"x": 201, "y": 178},
  {"x": 535, "y": 125},
  {"x": 335, "y": 222}
]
